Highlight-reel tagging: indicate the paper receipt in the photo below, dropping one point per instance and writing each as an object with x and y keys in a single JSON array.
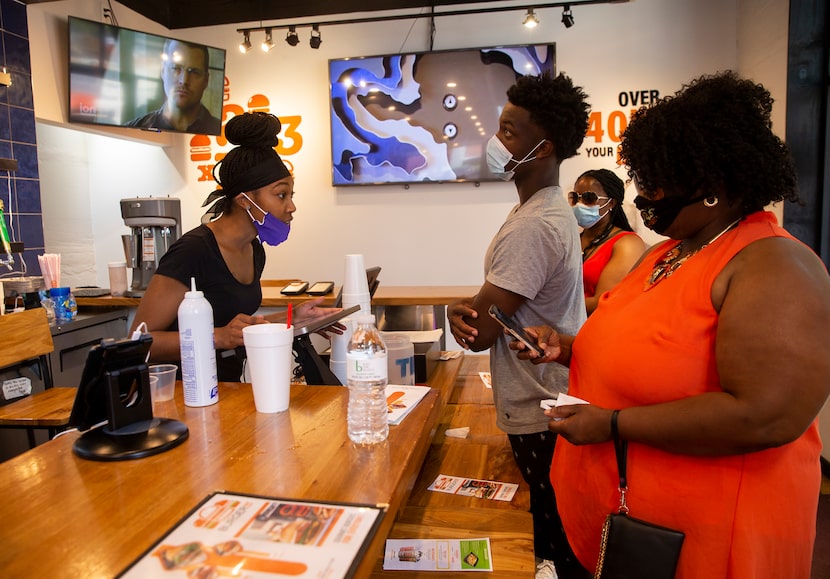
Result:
[{"x": 561, "y": 400}]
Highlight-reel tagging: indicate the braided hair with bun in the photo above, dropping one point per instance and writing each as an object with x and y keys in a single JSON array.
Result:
[{"x": 251, "y": 164}]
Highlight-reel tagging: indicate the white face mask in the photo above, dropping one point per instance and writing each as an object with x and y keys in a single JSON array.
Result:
[{"x": 498, "y": 157}]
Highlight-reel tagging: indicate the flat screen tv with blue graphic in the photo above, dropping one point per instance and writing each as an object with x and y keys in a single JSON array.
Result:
[
  {"x": 423, "y": 117},
  {"x": 123, "y": 77}
]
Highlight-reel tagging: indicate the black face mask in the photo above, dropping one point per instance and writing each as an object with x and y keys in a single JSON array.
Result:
[{"x": 659, "y": 215}]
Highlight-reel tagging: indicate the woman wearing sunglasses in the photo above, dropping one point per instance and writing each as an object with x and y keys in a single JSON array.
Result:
[{"x": 609, "y": 245}]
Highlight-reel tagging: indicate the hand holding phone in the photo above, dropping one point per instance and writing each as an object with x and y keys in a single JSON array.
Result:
[{"x": 514, "y": 329}]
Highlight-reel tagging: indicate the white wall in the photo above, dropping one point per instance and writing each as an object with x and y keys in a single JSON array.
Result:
[
  {"x": 83, "y": 176},
  {"x": 424, "y": 235},
  {"x": 762, "y": 39}
]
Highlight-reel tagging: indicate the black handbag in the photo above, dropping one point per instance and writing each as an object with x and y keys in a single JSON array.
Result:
[{"x": 631, "y": 548}]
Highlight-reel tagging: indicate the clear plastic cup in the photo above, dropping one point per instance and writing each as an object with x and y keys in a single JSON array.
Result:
[{"x": 165, "y": 387}]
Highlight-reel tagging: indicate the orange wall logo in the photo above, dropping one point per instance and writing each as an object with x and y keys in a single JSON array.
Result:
[
  {"x": 206, "y": 151},
  {"x": 612, "y": 125}
]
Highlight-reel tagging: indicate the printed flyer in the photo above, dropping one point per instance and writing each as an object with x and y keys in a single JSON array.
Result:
[
  {"x": 483, "y": 489},
  {"x": 401, "y": 399},
  {"x": 438, "y": 555},
  {"x": 249, "y": 536}
]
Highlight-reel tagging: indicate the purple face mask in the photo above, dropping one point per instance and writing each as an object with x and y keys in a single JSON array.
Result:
[{"x": 270, "y": 230}]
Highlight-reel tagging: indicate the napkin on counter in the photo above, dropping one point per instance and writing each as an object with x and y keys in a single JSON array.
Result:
[{"x": 458, "y": 432}]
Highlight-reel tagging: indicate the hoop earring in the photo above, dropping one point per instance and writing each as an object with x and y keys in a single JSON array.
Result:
[{"x": 711, "y": 201}]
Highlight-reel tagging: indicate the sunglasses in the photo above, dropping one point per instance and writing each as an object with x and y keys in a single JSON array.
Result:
[{"x": 587, "y": 198}]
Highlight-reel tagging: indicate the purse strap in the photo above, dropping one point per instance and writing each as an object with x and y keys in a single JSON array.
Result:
[{"x": 621, "y": 450}]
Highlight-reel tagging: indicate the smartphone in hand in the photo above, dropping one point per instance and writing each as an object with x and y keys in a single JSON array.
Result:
[{"x": 514, "y": 329}]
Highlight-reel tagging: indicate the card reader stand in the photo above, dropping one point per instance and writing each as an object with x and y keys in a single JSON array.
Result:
[
  {"x": 315, "y": 370},
  {"x": 132, "y": 431}
]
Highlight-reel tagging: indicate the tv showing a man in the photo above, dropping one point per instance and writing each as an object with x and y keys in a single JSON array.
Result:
[{"x": 184, "y": 73}]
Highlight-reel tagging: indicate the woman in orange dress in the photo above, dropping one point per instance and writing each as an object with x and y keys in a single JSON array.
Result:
[
  {"x": 609, "y": 245},
  {"x": 715, "y": 349}
]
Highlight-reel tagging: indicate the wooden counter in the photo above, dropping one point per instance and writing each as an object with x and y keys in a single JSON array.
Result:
[
  {"x": 484, "y": 454},
  {"x": 416, "y": 295},
  {"x": 384, "y": 296},
  {"x": 63, "y": 516}
]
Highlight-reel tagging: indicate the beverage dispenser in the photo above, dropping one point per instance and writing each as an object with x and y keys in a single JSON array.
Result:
[{"x": 155, "y": 223}]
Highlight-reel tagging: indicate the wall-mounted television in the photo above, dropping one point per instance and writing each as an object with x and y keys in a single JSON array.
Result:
[
  {"x": 423, "y": 117},
  {"x": 123, "y": 77}
]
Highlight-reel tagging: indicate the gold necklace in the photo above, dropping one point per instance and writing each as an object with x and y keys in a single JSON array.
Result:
[{"x": 672, "y": 259}]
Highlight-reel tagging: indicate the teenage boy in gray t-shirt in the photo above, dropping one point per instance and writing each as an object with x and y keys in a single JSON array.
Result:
[{"x": 533, "y": 272}]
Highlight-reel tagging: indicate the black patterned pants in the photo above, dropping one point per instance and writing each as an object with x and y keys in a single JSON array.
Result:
[{"x": 533, "y": 454}]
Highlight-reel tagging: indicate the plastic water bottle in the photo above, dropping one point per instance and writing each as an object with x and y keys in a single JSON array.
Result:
[
  {"x": 366, "y": 374},
  {"x": 197, "y": 350}
]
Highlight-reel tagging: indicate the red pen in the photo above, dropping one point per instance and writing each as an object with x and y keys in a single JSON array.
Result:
[{"x": 288, "y": 319}]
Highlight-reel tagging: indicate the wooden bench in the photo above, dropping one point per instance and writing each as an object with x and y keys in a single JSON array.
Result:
[
  {"x": 49, "y": 409},
  {"x": 484, "y": 454},
  {"x": 27, "y": 337}
]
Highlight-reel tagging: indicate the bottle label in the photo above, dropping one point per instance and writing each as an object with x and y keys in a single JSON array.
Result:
[
  {"x": 198, "y": 356},
  {"x": 365, "y": 367}
]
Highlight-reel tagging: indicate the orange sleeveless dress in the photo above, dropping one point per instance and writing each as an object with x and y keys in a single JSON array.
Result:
[{"x": 747, "y": 516}]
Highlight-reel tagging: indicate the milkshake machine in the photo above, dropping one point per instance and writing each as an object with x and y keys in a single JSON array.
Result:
[{"x": 156, "y": 222}]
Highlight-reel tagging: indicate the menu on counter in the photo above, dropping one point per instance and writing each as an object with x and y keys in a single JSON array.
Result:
[
  {"x": 401, "y": 399},
  {"x": 438, "y": 555},
  {"x": 230, "y": 534}
]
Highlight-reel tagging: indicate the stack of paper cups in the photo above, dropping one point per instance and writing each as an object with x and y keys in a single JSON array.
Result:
[
  {"x": 355, "y": 284},
  {"x": 339, "y": 348}
]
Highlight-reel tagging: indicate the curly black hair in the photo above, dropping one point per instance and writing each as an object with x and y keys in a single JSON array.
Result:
[
  {"x": 557, "y": 106},
  {"x": 714, "y": 132}
]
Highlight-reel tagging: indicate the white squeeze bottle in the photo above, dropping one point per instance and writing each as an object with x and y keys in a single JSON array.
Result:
[
  {"x": 197, "y": 349},
  {"x": 366, "y": 377}
]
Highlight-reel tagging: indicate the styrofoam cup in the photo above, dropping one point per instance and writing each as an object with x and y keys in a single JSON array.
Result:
[
  {"x": 340, "y": 342},
  {"x": 339, "y": 369},
  {"x": 354, "y": 279},
  {"x": 361, "y": 299},
  {"x": 268, "y": 347},
  {"x": 165, "y": 387}
]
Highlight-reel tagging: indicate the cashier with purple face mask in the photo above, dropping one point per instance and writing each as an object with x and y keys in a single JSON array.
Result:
[{"x": 253, "y": 205}]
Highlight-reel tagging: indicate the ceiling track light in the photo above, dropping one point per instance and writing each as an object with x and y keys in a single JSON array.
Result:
[
  {"x": 315, "y": 40},
  {"x": 531, "y": 20},
  {"x": 292, "y": 38},
  {"x": 268, "y": 43},
  {"x": 567, "y": 16},
  {"x": 245, "y": 45}
]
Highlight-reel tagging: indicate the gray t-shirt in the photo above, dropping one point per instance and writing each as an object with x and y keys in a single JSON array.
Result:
[{"x": 536, "y": 254}]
